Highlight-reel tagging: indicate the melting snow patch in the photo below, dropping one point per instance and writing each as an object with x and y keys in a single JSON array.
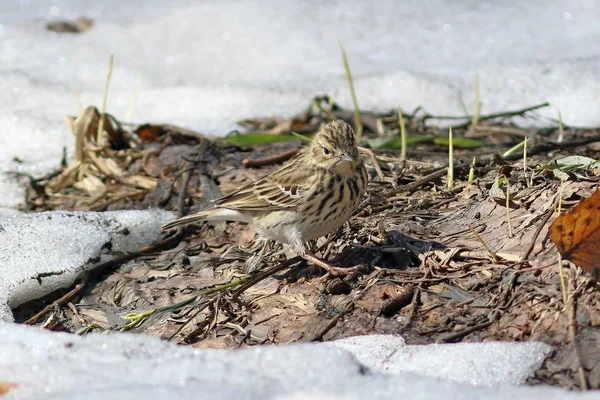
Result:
[
  {"x": 42, "y": 252},
  {"x": 52, "y": 365},
  {"x": 474, "y": 363}
]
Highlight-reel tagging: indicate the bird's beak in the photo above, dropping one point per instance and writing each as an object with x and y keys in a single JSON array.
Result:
[{"x": 346, "y": 157}]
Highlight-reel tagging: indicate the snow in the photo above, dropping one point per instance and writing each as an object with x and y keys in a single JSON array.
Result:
[
  {"x": 486, "y": 362},
  {"x": 42, "y": 252},
  {"x": 123, "y": 366},
  {"x": 207, "y": 64}
]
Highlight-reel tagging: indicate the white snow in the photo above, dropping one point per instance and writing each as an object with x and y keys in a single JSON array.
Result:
[
  {"x": 124, "y": 366},
  {"x": 486, "y": 362},
  {"x": 206, "y": 64},
  {"x": 42, "y": 252}
]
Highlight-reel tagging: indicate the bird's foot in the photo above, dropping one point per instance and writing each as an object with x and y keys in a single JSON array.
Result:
[{"x": 331, "y": 269}]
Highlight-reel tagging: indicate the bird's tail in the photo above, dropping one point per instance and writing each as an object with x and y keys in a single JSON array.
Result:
[
  {"x": 188, "y": 219},
  {"x": 213, "y": 214}
]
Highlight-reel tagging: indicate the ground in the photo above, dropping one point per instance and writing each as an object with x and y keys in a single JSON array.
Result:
[{"x": 437, "y": 262}]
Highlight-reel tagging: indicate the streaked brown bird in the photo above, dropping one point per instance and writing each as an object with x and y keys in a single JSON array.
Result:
[{"x": 311, "y": 196}]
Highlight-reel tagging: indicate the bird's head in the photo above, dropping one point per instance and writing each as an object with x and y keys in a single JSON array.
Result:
[{"x": 334, "y": 148}]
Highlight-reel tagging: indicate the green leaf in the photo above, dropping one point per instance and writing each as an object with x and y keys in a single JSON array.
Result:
[
  {"x": 460, "y": 143},
  {"x": 560, "y": 174},
  {"x": 255, "y": 139}
]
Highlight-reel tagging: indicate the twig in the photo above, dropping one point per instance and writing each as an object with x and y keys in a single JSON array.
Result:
[
  {"x": 68, "y": 296},
  {"x": 414, "y": 303},
  {"x": 358, "y": 125},
  {"x": 452, "y": 337},
  {"x": 194, "y": 299},
  {"x": 450, "y": 180},
  {"x": 265, "y": 274},
  {"x": 264, "y": 161},
  {"x": 529, "y": 248},
  {"x": 319, "y": 336},
  {"x": 561, "y": 129},
  {"x": 414, "y": 186},
  {"x": 500, "y": 129},
  {"x": 472, "y": 171},
  {"x": 484, "y": 244},
  {"x": 572, "y": 329},
  {"x": 489, "y": 116},
  {"x": 162, "y": 201},
  {"x": 548, "y": 146},
  {"x": 375, "y": 210},
  {"x": 403, "y": 146},
  {"x": 374, "y": 161},
  {"x": 510, "y": 230},
  {"x": 561, "y": 274},
  {"x": 477, "y": 110},
  {"x": 99, "y": 135}
]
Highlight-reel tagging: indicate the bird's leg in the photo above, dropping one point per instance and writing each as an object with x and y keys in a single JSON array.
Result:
[{"x": 330, "y": 268}]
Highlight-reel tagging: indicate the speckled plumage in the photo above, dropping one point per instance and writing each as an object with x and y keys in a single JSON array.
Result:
[{"x": 311, "y": 196}]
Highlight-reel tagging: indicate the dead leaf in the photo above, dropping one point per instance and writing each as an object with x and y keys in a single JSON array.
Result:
[
  {"x": 149, "y": 133},
  {"x": 576, "y": 235},
  {"x": 80, "y": 25},
  {"x": 6, "y": 387}
]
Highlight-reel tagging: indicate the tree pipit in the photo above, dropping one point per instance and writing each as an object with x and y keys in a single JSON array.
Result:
[{"x": 311, "y": 196}]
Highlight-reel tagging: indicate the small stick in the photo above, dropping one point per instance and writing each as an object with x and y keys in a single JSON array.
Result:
[
  {"x": 561, "y": 129},
  {"x": 510, "y": 230},
  {"x": 68, "y": 296},
  {"x": 563, "y": 285},
  {"x": 485, "y": 246},
  {"x": 572, "y": 330},
  {"x": 523, "y": 270},
  {"x": 477, "y": 110},
  {"x": 549, "y": 146},
  {"x": 414, "y": 186},
  {"x": 513, "y": 149},
  {"x": 403, "y": 144},
  {"x": 270, "y": 160},
  {"x": 99, "y": 137},
  {"x": 529, "y": 183},
  {"x": 459, "y": 335},
  {"x": 319, "y": 336},
  {"x": 265, "y": 274},
  {"x": 450, "y": 181},
  {"x": 375, "y": 210},
  {"x": 371, "y": 155},
  {"x": 529, "y": 249},
  {"x": 472, "y": 171},
  {"x": 496, "y": 115},
  {"x": 358, "y": 125}
]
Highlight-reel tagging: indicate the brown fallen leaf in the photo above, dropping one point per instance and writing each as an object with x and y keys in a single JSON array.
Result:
[
  {"x": 6, "y": 387},
  {"x": 576, "y": 234},
  {"x": 80, "y": 25}
]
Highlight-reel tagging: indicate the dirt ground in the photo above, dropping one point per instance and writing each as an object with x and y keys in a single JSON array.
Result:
[{"x": 436, "y": 263}]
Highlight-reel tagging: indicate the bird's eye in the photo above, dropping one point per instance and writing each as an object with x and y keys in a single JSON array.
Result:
[{"x": 326, "y": 151}]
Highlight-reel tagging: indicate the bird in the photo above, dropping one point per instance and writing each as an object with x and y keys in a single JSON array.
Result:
[{"x": 311, "y": 196}]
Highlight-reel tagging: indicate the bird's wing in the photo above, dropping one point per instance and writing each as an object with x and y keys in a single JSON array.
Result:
[{"x": 282, "y": 189}]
